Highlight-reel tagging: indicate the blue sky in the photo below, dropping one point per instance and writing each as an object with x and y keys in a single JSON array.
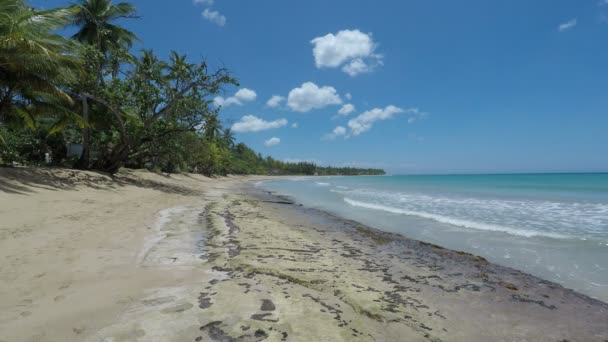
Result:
[{"x": 437, "y": 87}]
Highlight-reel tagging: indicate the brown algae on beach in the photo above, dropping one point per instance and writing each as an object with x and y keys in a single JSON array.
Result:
[
  {"x": 230, "y": 263},
  {"x": 280, "y": 272}
]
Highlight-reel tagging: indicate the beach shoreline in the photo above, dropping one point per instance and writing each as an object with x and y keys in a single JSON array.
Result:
[
  {"x": 218, "y": 259},
  {"x": 551, "y": 227}
]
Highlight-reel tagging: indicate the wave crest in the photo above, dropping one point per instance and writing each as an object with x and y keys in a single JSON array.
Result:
[{"x": 454, "y": 221}]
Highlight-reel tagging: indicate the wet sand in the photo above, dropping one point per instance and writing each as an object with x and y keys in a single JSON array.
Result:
[{"x": 234, "y": 263}]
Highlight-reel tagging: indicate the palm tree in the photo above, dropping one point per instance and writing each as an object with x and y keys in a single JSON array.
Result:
[
  {"x": 35, "y": 64},
  {"x": 95, "y": 19},
  {"x": 150, "y": 65},
  {"x": 212, "y": 127},
  {"x": 228, "y": 138},
  {"x": 179, "y": 66}
]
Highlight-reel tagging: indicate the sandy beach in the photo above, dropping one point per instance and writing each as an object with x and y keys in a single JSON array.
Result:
[{"x": 147, "y": 257}]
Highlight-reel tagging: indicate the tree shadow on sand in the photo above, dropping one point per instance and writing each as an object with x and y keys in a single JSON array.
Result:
[{"x": 26, "y": 180}]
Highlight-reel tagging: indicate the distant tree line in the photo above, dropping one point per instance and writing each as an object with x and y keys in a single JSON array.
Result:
[
  {"x": 88, "y": 102},
  {"x": 247, "y": 161}
]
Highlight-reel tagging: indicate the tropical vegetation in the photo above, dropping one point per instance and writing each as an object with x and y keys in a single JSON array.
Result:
[{"x": 87, "y": 101}]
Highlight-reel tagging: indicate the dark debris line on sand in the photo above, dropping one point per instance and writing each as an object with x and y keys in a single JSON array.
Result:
[{"x": 388, "y": 284}]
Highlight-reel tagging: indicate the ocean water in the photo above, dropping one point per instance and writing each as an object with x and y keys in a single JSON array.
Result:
[{"x": 554, "y": 226}]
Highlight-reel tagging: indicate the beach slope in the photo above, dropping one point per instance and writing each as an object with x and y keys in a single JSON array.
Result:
[{"x": 145, "y": 257}]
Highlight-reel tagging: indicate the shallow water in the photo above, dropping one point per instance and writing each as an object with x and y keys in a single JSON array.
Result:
[{"x": 554, "y": 226}]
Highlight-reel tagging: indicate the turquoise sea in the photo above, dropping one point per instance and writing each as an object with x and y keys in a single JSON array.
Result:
[{"x": 554, "y": 226}]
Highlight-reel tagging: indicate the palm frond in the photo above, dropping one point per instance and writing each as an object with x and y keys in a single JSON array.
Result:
[
  {"x": 95, "y": 21},
  {"x": 36, "y": 63},
  {"x": 27, "y": 118}
]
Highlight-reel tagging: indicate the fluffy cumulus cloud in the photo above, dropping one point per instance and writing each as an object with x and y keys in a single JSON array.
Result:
[
  {"x": 356, "y": 67},
  {"x": 352, "y": 50},
  {"x": 346, "y": 109},
  {"x": 242, "y": 95},
  {"x": 365, "y": 121},
  {"x": 210, "y": 14},
  {"x": 339, "y": 131},
  {"x": 275, "y": 101},
  {"x": 214, "y": 17},
  {"x": 272, "y": 141},
  {"x": 251, "y": 123},
  {"x": 309, "y": 96},
  {"x": 567, "y": 25},
  {"x": 246, "y": 95}
]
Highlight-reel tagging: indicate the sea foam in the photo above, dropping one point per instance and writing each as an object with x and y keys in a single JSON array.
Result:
[
  {"x": 455, "y": 221},
  {"x": 524, "y": 217}
]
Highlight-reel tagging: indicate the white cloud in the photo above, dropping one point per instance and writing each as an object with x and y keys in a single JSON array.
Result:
[
  {"x": 349, "y": 97},
  {"x": 356, "y": 67},
  {"x": 219, "y": 101},
  {"x": 365, "y": 121},
  {"x": 351, "y": 49},
  {"x": 294, "y": 125},
  {"x": 346, "y": 109},
  {"x": 214, "y": 17},
  {"x": 415, "y": 115},
  {"x": 242, "y": 95},
  {"x": 310, "y": 96},
  {"x": 567, "y": 25},
  {"x": 339, "y": 131},
  {"x": 246, "y": 95},
  {"x": 210, "y": 14},
  {"x": 251, "y": 123},
  {"x": 275, "y": 101},
  {"x": 272, "y": 141}
]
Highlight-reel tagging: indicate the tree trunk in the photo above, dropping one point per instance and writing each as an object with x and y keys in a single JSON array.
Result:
[
  {"x": 116, "y": 160},
  {"x": 84, "y": 161}
]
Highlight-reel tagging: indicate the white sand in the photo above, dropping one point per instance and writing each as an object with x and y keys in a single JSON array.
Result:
[
  {"x": 146, "y": 257},
  {"x": 71, "y": 253}
]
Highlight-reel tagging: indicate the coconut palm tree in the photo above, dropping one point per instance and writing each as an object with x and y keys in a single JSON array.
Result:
[
  {"x": 95, "y": 19},
  {"x": 35, "y": 63},
  {"x": 96, "y": 22},
  {"x": 212, "y": 127},
  {"x": 228, "y": 138}
]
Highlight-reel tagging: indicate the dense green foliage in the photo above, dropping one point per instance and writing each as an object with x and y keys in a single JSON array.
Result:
[
  {"x": 35, "y": 66},
  {"x": 118, "y": 109}
]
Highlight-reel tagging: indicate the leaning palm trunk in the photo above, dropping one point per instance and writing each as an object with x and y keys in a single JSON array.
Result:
[
  {"x": 95, "y": 19},
  {"x": 116, "y": 160},
  {"x": 85, "y": 160}
]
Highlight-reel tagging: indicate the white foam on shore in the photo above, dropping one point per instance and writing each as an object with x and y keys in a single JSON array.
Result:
[
  {"x": 164, "y": 217},
  {"x": 259, "y": 183},
  {"x": 454, "y": 221}
]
